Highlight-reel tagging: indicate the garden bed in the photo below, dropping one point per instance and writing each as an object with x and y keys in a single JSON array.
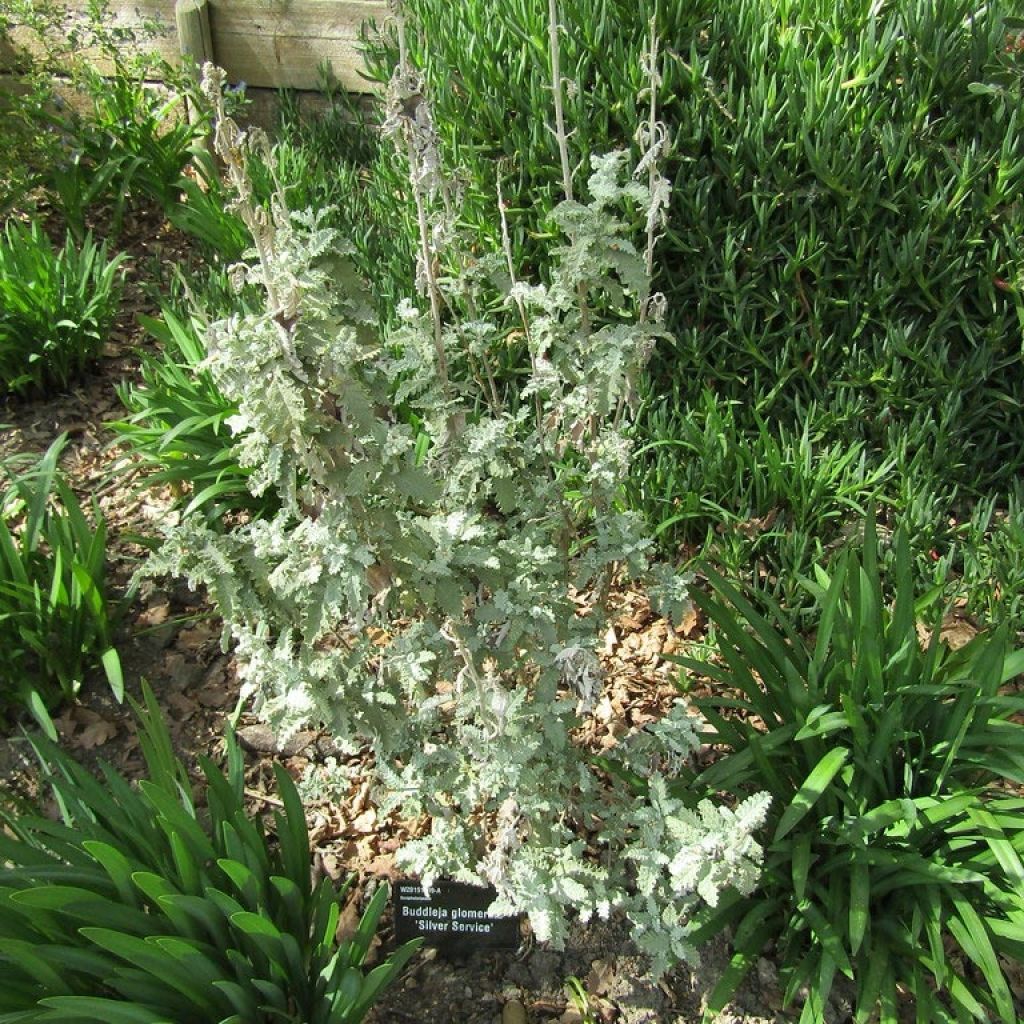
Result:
[
  {"x": 475, "y": 463},
  {"x": 170, "y": 637}
]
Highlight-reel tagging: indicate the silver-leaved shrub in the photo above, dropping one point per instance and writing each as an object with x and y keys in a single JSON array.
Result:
[{"x": 436, "y": 591}]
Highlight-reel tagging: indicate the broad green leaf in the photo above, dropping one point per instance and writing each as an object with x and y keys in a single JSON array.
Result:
[
  {"x": 728, "y": 982},
  {"x": 116, "y": 865},
  {"x": 58, "y": 897},
  {"x": 368, "y": 922},
  {"x": 969, "y": 930},
  {"x": 881, "y": 817},
  {"x": 860, "y": 904},
  {"x": 110, "y": 1011},
  {"x": 240, "y": 997},
  {"x": 31, "y": 958},
  {"x": 811, "y": 791},
  {"x": 826, "y": 935},
  {"x": 255, "y": 924},
  {"x": 999, "y": 844},
  {"x": 822, "y": 721},
  {"x": 292, "y": 833},
  {"x": 801, "y": 859},
  {"x": 111, "y": 663},
  {"x": 41, "y": 714}
]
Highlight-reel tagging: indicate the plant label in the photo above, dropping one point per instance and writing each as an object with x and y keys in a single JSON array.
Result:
[{"x": 453, "y": 917}]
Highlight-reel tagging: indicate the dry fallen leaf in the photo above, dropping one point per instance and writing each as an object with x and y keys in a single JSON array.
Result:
[
  {"x": 155, "y": 614},
  {"x": 957, "y": 632},
  {"x": 183, "y": 707},
  {"x": 215, "y": 695},
  {"x": 600, "y": 978},
  {"x": 96, "y": 732},
  {"x": 365, "y": 822},
  {"x": 513, "y": 1012},
  {"x": 66, "y": 724},
  {"x": 348, "y": 921},
  {"x": 332, "y": 866},
  {"x": 383, "y": 866},
  {"x": 689, "y": 622}
]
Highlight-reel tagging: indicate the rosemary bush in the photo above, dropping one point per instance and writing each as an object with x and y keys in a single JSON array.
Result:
[
  {"x": 144, "y": 906},
  {"x": 427, "y": 586}
]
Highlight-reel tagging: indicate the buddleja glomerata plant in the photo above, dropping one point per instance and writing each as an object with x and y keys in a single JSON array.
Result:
[{"x": 421, "y": 589}]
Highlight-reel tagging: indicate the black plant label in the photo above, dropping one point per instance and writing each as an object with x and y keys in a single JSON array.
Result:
[{"x": 453, "y": 917}]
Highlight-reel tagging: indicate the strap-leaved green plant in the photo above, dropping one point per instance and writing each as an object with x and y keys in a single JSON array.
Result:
[
  {"x": 896, "y": 859},
  {"x": 143, "y": 907},
  {"x": 56, "y": 621}
]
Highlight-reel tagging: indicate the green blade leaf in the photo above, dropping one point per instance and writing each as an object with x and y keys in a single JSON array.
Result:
[{"x": 811, "y": 790}]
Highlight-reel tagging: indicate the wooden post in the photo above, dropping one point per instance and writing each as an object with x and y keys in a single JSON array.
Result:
[
  {"x": 195, "y": 42},
  {"x": 194, "y": 38}
]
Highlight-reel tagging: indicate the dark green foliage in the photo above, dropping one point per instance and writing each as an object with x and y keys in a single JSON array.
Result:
[
  {"x": 201, "y": 211},
  {"x": 774, "y": 499},
  {"x": 894, "y": 852},
  {"x": 844, "y": 233},
  {"x": 989, "y": 557},
  {"x": 141, "y": 906},
  {"x": 56, "y": 307},
  {"x": 55, "y": 624},
  {"x": 133, "y": 144},
  {"x": 177, "y": 425},
  {"x": 846, "y": 204}
]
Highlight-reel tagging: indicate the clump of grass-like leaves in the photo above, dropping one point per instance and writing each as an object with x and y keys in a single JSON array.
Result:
[
  {"x": 141, "y": 906},
  {"x": 55, "y": 622},
  {"x": 56, "y": 307},
  {"x": 895, "y": 851},
  {"x": 774, "y": 498},
  {"x": 177, "y": 425}
]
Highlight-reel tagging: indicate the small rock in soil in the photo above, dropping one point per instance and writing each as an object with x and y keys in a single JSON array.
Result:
[
  {"x": 260, "y": 739},
  {"x": 182, "y": 671},
  {"x": 513, "y": 1012}
]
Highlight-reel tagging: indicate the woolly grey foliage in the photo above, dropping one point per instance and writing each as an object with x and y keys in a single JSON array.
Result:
[{"x": 418, "y": 590}]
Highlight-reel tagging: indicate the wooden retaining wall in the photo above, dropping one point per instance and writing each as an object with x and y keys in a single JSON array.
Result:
[{"x": 268, "y": 44}]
